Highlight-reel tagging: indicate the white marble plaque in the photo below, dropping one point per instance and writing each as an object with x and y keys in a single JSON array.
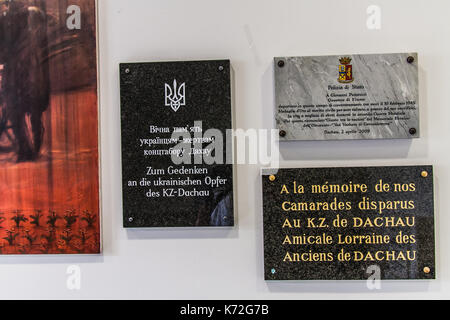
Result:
[{"x": 372, "y": 96}]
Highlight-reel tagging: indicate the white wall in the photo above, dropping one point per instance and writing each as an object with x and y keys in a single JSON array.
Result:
[{"x": 220, "y": 264}]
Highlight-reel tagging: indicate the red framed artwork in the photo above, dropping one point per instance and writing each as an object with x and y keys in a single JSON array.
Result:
[{"x": 49, "y": 155}]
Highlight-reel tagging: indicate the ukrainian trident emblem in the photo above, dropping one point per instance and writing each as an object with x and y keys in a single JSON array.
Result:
[
  {"x": 345, "y": 70},
  {"x": 176, "y": 96}
]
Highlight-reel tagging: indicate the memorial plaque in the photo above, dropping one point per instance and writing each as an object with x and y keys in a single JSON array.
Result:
[
  {"x": 175, "y": 116},
  {"x": 349, "y": 223},
  {"x": 372, "y": 96}
]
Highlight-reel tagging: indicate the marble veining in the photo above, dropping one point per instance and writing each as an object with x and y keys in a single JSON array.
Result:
[{"x": 383, "y": 80}]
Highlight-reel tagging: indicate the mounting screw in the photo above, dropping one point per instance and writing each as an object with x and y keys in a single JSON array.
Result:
[
  {"x": 272, "y": 178},
  {"x": 426, "y": 270},
  {"x": 282, "y": 133},
  {"x": 412, "y": 131},
  {"x": 424, "y": 174},
  {"x": 410, "y": 59},
  {"x": 281, "y": 63},
  {"x": 130, "y": 219},
  {"x": 221, "y": 68},
  {"x": 127, "y": 70}
]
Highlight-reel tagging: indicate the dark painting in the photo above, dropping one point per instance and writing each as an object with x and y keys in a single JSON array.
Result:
[{"x": 49, "y": 184}]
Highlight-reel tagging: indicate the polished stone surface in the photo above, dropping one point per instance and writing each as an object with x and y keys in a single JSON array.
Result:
[
  {"x": 376, "y": 98},
  {"x": 158, "y": 99},
  {"x": 413, "y": 220}
]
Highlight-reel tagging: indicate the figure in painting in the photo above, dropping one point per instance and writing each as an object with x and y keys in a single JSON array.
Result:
[{"x": 24, "y": 78}]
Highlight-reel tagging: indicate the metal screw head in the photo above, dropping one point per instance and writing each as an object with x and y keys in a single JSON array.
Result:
[
  {"x": 282, "y": 133},
  {"x": 130, "y": 219},
  {"x": 221, "y": 68},
  {"x": 426, "y": 270},
  {"x": 410, "y": 59},
  {"x": 424, "y": 174},
  {"x": 127, "y": 70},
  {"x": 412, "y": 131},
  {"x": 272, "y": 178},
  {"x": 281, "y": 63}
]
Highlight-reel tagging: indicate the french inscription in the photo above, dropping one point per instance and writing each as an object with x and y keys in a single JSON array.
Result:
[{"x": 335, "y": 223}]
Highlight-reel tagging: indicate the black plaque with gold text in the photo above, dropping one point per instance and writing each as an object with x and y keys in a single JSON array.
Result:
[{"x": 349, "y": 223}]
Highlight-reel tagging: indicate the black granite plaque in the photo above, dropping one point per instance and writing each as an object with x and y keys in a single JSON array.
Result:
[
  {"x": 349, "y": 223},
  {"x": 175, "y": 116}
]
